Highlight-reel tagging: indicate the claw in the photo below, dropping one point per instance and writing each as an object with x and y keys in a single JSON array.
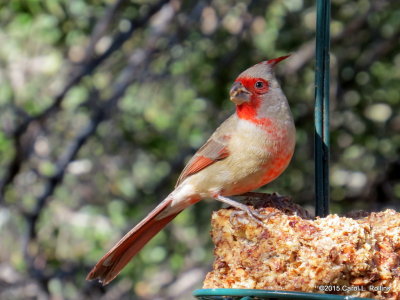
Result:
[{"x": 254, "y": 215}]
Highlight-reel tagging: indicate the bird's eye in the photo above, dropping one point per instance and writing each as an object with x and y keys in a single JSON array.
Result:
[{"x": 259, "y": 85}]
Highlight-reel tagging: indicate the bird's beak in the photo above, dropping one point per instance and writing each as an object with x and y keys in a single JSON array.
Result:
[{"x": 239, "y": 94}]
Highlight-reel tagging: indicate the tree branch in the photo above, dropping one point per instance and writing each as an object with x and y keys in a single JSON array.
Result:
[{"x": 87, "y": 69}]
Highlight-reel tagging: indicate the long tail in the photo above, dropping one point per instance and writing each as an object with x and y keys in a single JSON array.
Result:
[{"x": 109, "y": 266}]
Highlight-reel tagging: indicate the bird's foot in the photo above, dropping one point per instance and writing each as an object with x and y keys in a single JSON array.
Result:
[{"x": 253, "y": 214}]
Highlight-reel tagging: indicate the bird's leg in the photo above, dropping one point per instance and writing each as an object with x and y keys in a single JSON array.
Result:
[{"x": 255, "y": 216}]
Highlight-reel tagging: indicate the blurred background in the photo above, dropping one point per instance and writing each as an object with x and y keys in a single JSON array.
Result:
[{"x": 102, "y": 102}]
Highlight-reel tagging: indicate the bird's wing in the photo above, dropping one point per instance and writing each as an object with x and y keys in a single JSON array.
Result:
[{"x": 213, "y": 150}]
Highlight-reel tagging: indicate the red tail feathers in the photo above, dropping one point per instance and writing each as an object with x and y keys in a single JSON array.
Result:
[{"x": 109, "y": 266}]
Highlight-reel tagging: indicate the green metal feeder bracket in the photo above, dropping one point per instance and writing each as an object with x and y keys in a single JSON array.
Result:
[
  {"x": 321, "y": 113},
  {"x": 247, "y": 294}
]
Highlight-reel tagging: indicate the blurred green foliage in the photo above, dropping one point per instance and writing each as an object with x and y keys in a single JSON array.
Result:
[{"x": 179, "y": 64}]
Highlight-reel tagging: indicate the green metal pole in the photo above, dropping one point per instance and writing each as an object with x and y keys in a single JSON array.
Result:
[{"x": 321, "y": 137}]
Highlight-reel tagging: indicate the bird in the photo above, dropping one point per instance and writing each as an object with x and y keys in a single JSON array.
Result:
[{"x": 248, "y": 150}]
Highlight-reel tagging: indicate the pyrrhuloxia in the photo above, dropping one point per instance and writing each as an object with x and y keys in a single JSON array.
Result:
[{"x": 250, "y": 149}]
